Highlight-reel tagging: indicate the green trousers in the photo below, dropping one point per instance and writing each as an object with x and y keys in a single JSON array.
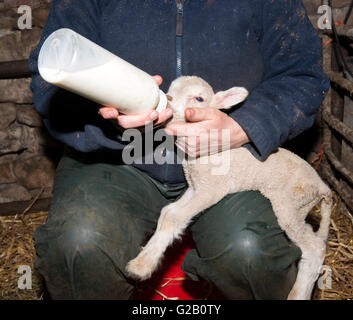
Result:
[{"x": 101, "y": 214}]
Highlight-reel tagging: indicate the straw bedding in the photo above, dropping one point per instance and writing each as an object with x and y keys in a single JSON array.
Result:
[{"x": 16, "y": 249}]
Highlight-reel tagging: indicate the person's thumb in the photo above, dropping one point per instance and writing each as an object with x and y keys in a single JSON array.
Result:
[{"x": 199, "y": 114}]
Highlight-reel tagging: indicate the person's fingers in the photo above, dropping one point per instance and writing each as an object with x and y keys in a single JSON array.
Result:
[
  {"x": 189, "y": 151},
  {"x": 158, "y": 79},
  {"x": 139, "y": 120},
  {"x": 181, "y": 145},
  {"x": 195, "y": 146},
  {"x": 200, "y": 114},
  {"x": 190, "y": 145},
  {"x": 108, "y": 112},
  {"x": 194, "y": 127},
  {"x": 185, "y": 129},
  {"x": 133, "y": 121},
  {"x": 190, "y": 142},
  {"x": 164, "y": 116}
]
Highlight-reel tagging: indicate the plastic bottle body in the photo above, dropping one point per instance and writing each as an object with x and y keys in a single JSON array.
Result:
[{"x": 77, "y": 64}]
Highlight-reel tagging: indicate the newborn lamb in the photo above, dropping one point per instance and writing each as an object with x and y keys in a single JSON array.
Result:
[{"x": 290, "y": 183}]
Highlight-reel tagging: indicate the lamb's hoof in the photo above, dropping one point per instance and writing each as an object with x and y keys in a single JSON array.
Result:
[{"x": 138, "y": 269}]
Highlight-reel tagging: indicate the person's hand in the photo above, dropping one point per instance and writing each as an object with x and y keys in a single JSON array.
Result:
[
  {"x": 140, "y": 120},
  {"x": 196, "y": 137}
]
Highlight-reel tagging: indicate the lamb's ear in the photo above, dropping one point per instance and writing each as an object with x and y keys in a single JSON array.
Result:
[{"x": 229, "y": 98}]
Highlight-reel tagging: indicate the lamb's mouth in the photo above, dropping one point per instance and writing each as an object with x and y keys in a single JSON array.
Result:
[{"x": 177, "y": 118}]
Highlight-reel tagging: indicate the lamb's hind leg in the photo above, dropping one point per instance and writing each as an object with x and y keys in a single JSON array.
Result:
[
  {"x": 312, "y": 247},
  {"x": 172, "y": 222},
  {"x": 308, "y": 271}
]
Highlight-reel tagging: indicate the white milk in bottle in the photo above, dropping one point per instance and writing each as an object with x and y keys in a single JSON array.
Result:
[{"x": 77, "y": 64}]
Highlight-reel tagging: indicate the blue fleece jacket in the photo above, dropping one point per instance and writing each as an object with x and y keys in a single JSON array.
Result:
[{"x": 267, "y": 46}]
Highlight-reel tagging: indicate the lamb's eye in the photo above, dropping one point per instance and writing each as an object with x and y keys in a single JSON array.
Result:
[{"x": 199, "y": 99}]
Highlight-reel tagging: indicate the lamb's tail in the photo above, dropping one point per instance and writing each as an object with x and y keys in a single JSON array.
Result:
[{"x": 325, "y": 210}]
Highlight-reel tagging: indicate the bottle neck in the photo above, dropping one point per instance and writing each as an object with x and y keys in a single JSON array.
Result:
[{"x": 163, "y": 101}]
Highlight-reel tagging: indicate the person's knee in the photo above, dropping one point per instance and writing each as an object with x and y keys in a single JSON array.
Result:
[
  {"x": 225, "y": 262},
  {"x": 77, "y": 264},
  {"x": 245, "y": 245},
  {"x": 260, "y": 249},
  {"x": 245, "y": 248},
  {"x": 78, "y": 228},
  {"x": 75, "y": 240},
  {"x": 240, "y": 249},
  {"x": 61, "y": 244},
  {"x": 267, "y": 265}
]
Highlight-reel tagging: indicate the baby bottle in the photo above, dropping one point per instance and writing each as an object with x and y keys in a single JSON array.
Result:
[{"x": 74, "y": 63}]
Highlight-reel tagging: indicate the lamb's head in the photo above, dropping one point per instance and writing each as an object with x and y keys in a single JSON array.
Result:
[{"x": 194, "y": 92}]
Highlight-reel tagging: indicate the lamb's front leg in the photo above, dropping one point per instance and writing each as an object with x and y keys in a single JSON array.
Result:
[
  {"x": 172, "y": 222},
  {"x": 147, "y": 261}
]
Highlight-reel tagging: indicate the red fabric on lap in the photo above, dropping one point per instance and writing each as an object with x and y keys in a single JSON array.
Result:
[{"x": 170, "y": 282}]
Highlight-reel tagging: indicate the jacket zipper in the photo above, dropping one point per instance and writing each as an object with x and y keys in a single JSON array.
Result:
[
  {"x": 179, "y": 57},
  {"x": 179, "y": 36}
]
